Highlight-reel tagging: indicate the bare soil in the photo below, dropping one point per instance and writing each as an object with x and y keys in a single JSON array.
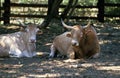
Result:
[{"x": 106, "y": 66}]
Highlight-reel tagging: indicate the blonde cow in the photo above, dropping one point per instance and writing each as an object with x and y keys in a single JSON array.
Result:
[{"x": 80, "y": 42}]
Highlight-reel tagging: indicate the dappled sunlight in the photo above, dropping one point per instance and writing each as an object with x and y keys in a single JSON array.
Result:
[
  {"x": 45, "y": 75},
  {"x": 42, "y": 53},
  {"x": 111, "y": 68},
  {"x": 53, "y": 75},
  {"x": 12, "y": 27},
  {"x": 106, "y": 66},
  {"x": 47, "y": 44},
  {"x": 35, "y": 67},
  {"x": 11, "y": 66},
  {"x": 9, "y": 71},
  {"x": 104, "y": 41},
  {"x": 116, "y": 27}
]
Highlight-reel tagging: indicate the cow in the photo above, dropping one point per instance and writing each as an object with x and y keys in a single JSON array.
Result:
[
  {"x": 21, "y": 43},
  {"x": 80, "y": 42}
]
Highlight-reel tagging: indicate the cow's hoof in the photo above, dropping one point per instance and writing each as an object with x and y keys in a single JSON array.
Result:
[
  {"x": 96, "y": 55},
  {"x": 70, "y": 60},
  {"x": 51, "y": 56}
]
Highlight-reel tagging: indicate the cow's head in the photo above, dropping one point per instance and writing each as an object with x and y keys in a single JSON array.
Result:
[
  {"x": 89, "y": 30},
  {"x": 76, "y": 33},
  {"x": 30, "y": 30}
]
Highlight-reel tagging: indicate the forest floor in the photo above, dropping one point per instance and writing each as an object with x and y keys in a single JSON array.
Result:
[{"x": 106, "y": 66}]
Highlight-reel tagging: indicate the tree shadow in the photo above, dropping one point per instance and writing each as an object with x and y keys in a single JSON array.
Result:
[{"x": 106, "y": 66}]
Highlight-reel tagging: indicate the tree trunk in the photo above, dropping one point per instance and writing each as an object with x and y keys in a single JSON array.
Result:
[
  {"x": 72, "y": 9},
  {"x": 67, "y": 9},
  {"x": 53, "y": 12}
]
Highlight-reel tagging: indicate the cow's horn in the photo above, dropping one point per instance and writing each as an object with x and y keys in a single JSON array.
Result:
[
  {"x": 89, "y": 23},
  {"x": 21, "y": 23},
  {"x": 66, "y": 26}
]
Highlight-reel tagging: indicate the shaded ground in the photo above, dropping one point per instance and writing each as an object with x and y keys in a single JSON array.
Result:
[{"x": 106, "y": 66}]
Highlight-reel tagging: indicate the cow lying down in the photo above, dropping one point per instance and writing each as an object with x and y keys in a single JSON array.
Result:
[
  {"x": 19, "y": 44},
  {"x": 80, "y": 42}
]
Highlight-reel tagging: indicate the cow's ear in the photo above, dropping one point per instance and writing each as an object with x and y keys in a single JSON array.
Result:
[
  {"x": 40, "y": 32},
  {"x": 37, "y": 29},
  {"x": 68, "y": 34},
  {"x": 22, "y": 29}
]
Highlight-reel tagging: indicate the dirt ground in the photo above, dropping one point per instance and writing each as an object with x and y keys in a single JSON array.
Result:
[{"x": 106, "y": 66}]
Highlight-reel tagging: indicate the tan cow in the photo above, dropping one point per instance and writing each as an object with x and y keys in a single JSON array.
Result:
[
  {"x": 78, "y": 43},
  {"x": 19, "y": 44}
]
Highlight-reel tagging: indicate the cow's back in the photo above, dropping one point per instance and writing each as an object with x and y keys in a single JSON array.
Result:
[
  {"x": 5, "y": 43},
  {"x": 91, "y": 43},
  {"x": 9, "y": 43},
  {"x": 62, "y": 43}
]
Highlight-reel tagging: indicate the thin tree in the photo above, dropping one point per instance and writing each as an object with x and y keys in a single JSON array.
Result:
[{"x": 53, "y": 11}]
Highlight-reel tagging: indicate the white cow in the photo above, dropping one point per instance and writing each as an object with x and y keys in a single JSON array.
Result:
[{"x": 19, "y": 44}]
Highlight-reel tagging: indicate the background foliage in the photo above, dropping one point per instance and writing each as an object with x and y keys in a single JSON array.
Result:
[{"x": 77, "y": 12}]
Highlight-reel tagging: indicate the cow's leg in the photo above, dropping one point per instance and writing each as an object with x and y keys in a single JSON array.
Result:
[
  {"x": 97, "y": 51},
  {"x": 71, "y": 56},
  {"x": 79, "y": 54},
  {"x": 53, "y": 50},
  {"x": 15, "y": 52},
  {"x": 71, "y": 53},
  {"x": 96, "y": 55},
  {"x": 3, "y": 52}
]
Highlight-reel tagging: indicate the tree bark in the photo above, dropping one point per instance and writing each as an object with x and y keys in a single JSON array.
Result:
[
  {"x": 72, "y": 9},
  {"x": 53, "y": 12},
  {"x": 67, "y": 9}
]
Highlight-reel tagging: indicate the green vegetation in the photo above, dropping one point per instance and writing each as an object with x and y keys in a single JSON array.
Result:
[{"x": 77, "y": 12}]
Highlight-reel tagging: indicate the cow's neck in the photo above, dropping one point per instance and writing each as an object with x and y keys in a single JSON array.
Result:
[{"x": 83, "y": 39}]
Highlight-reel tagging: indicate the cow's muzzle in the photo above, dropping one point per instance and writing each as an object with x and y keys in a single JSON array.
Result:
[
  {"x": 75, "y": 43},
  {"x": 32, "y": 41}
]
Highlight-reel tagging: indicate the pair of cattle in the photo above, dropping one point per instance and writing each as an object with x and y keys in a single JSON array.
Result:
[{"x": 78, "y": 43}]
